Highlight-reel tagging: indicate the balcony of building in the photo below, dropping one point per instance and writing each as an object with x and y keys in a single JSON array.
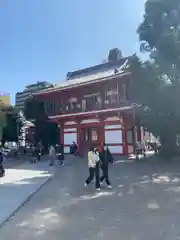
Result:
[{"x": 89, "y": 103}]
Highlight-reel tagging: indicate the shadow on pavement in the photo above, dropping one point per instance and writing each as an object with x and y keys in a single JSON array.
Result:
[{"x": 144, "y": 201}]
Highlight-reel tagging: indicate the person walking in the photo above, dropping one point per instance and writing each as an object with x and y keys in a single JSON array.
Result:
[
  {"x": 33, "y": 154},
  {"x": 2, "y": 170},
  {"x": 140, "y": 149},
  {"x": 52, "y": 155},
  {"x": 105, "y": 158},
  {"x": 38, "y": 152},
  {"x": 93, "y": 165},
  {"x": 60, "y": 154}
]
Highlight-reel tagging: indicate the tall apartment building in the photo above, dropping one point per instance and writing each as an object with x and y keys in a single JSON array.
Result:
[{"x": 28, "y": 91}]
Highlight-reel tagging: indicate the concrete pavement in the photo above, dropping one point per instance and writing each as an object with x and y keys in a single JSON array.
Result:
[
  {"x": 144, "y": 204},
  {"x": 19, "y": 183}
]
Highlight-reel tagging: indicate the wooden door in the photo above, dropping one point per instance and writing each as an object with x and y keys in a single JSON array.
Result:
[
  {"x": 89, "y": 137},
  {"x": 95, "y": 134}
]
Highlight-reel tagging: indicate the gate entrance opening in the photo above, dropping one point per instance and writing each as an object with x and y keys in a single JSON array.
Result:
[{"x": 89, "y": 136}]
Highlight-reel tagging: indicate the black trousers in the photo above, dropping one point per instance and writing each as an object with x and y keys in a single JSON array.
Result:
[
  {"x": 2, "y": 170},
  {"x": 94, "y": 172},
  {"x": 105, "y": 174},
  {"x": 38, "y": 156},
  {"x": 60, "y": 158}
]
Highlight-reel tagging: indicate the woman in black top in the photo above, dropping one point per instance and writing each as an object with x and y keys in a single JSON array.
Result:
[
  {"x": 106, "y": 158},
  {"x": 60, "y": 153}
]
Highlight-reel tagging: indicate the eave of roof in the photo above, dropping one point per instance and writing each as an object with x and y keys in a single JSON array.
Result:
[
  {"x": 98, "y": 67},
  {"x": 93, "y": 81},
  {"x": 123, "y": 108}
]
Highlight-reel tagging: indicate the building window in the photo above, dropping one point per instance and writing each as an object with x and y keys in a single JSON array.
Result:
[
  {"x": 57, "y": 107},
  {"x": 53, "y": 106},
  {"x": 94, "y": 135},
  {"x": 123, "y": 92},
  {"x": 92, "y": 101},
  {"x": 129, "y": 137},
  {"x": 73, "y": 100},
  {"x": 84, "y": 104},
  {"x": 72, "y": 103},
  {"x": 49, "y": 106},
  {"x": 111, "y": 96}
]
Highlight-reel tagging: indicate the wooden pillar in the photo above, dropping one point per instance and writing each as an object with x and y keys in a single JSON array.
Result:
[
  {"x": 102, "y": 137},
  {"x": 61, "y": 125},
  {"x": 142, "y": 133},
  {"x": 124, "y": 137},
  {"x": 79, "y": 135},
  {"x": 101, "y": 131},
  {"x": 134, "y": 130},
  {"x": 102, "y": 96},
  {"x": 138, "y": 133},
  {"x": 78, "y": 140}
]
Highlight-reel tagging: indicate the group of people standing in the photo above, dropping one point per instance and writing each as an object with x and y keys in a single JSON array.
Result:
[
  {"x": 56, "y": 151},
  {"x": 99, "y": 160},
  {"x": 36, "y": 152}
]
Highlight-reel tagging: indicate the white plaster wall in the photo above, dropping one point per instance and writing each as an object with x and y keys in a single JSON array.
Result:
[
  {"x": 70, "y": 130},
  {"x": 113, "y": 126},
  {"x": 114, "y": 136},
  {"x": 129, "y": 136},
  {"x": 112, "y": 118},
  {"x": 69, "y": 138},
  {"x": 116, "y": 149},
  {"x": 69, "y": 123},
  {"x": 90, "y": 121},
  {"x": 142, "y": 133},
  {"x": 130, "y": 149},
  {"x": 67, "y": 150}
]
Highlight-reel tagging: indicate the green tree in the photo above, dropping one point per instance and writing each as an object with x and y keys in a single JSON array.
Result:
[
  {"x": 114, "y": 55},
  {"x": 159, "y": 78},
  {"x": 158, "y": 101},
  {"x": 34, "y": 110},
  {"x": 2, "y": 122},
  {"x": 8, "y": 123},
  {"x": 12, "y": 129},
  {"x": 45, "y": 131},
  {"x": 159, "y": 35}
]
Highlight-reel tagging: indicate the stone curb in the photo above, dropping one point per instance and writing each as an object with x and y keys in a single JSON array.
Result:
[{"x": 27, "y": 199}]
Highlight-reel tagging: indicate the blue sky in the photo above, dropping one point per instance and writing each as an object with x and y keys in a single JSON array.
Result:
[{"x": 44, "y": 39}]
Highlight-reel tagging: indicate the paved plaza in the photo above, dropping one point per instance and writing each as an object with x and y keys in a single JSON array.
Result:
[
  {"x": 18, "y": 185},
  {"x": 144, "y": 204}
]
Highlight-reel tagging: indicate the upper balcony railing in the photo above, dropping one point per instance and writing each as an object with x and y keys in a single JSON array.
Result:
[
  {"x": 109, "y": 98},
  {"x": 81, "y": 107}
]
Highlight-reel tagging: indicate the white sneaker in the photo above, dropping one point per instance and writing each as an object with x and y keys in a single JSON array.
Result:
[
  {"x": 109, "y": 186},
  {"x": 98, "y": 189},
  {"x": 85, "y": 185}
]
